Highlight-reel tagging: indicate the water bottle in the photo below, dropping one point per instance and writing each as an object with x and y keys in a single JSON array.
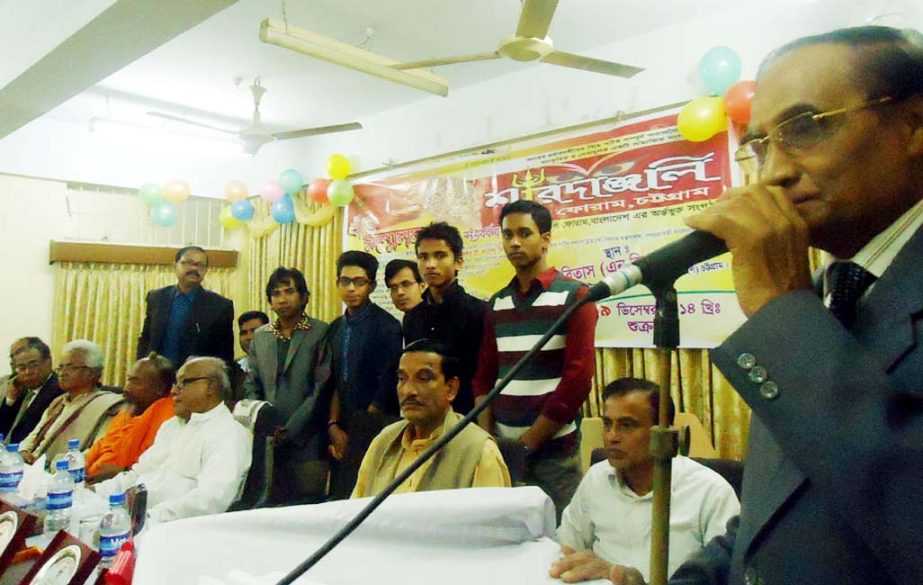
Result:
[
  {"x": 60, "y": 499},
  {"x": 11, "y": 467},
  {"x": 76, "y": 463},
  {"x": 114, "y": 530}
]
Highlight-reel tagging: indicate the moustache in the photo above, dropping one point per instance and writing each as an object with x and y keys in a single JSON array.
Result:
[{"x": 411, "y": 403}]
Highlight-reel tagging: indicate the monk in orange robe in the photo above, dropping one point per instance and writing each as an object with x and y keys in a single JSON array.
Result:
[{"x": 132, "y": 431}]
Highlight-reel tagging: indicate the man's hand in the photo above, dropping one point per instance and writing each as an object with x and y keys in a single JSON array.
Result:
[
  {"x": 579, "y": 566},
  {"x": 620, "y": 575},
  {"x": 278, "y": 437},
  {"x": 338, "y": 438},
  {"x": 28, "y": 457},
  {"x": 767, "y": 238},
  {"x": 107, "y": 471},
  {"x": 13, "y": 391}
]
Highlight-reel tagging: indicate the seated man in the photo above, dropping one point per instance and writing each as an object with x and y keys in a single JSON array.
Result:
[
  {"x": 609, "y": 518},
  {"x": 29, "y": 391},
  {"x": 200, "y": 457},
  {"x": 132, "y": 431},
  {"x": 427, "y": 382},
  {"x": 83, "y": 412}
]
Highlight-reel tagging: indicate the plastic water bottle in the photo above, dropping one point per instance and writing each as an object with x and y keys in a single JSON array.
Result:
[
  {"x": 11, "y": 467},
  {"x": 60, "y": 499},
  {"x": 114, "y": 530},
  {"x": 76, "y": 463}
]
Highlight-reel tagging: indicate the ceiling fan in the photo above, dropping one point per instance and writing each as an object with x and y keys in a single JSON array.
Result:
[{"x": 256, "y": 135}]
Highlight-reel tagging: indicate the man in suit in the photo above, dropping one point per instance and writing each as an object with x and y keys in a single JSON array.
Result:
[
  {"x": 185, "y": 319},
  {"x": 290, "y": 368},
  {"x": 30, "y": 392},
  {"x": 835, "y": 462}
]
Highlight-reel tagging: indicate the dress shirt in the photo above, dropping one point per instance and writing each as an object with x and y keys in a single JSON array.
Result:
[
  {"x": 179, "y": 313},
  {"x": 193, "y": 468}
]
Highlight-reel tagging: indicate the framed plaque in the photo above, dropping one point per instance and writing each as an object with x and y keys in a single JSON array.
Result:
[
  {"x": 66, "y": 561},
  {"x": 15, "y": 526}
]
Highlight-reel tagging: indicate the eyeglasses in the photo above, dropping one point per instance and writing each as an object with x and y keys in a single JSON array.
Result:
[
  {"x": 183, "y": 382},
  {"x": 357, "y": 282},
  {"x": 65, "y": 368},
  {"x": 191, "y": 264},
  {"x": 405, "y": 285},
  {"x": 796, "y": 134},
  {"x": 33, "y": 365}
]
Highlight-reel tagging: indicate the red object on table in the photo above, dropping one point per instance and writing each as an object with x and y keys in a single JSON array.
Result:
[{"x": 123, "y": 566}]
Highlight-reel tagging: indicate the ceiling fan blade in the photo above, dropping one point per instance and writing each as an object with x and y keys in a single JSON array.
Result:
[
  {"x": 447, "y": 61},
  {"x": 316, "y": 131},
  {"x": 589, "y": 64},
  {"x": 182, "y": 120},
  {"x": 536, "y": 18}
]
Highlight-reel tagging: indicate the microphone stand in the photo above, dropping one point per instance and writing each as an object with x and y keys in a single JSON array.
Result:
[{"x": 434, "y": 448}]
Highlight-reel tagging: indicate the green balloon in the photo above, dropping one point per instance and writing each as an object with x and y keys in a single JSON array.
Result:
[
  {"x": 340, "y": 193},
  {"x": 151, "y": 194}
]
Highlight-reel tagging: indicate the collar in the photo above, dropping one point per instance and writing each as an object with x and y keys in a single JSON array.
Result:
[
  {"x": 303, "y": 324},
  {"x": 451, "y": 292},
  {"x": 407, "y": 442},
  {"x": 881, "y": 250},
  {"x": 201, "y": 417},
  {"x": 544, "y": 280},
  {"x": 41, "y": 384},
  {"x": 363, "y": 312},
  {"x": 616, "y": 481},
  {"x": 68, "y": 400},
  {"x": 191, "y": 295}
]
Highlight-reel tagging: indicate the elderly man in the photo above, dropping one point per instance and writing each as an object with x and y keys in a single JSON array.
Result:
[
  {"x": 29, "y": 392},
  {"x": 427, "y": 382},
  {"x": 200, "y": 457},
  {"x": 132, "y": 432},
  {"x": 83, "y": 412},
  {"x": 609, "y": 519},
  {"x": 832, "y": 371}
]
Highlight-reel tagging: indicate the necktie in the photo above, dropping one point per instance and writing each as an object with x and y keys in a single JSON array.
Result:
[{"x": 848, "y": 282}]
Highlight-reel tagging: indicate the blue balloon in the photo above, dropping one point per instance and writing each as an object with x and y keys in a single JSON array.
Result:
[
  {"x": 291, "y": 181},
  {"x": 164, "y": 214},
  {"x": 720, "y": 69},
  {"x": 283, "y": 210},
  {"x": 242, "y": 210}
]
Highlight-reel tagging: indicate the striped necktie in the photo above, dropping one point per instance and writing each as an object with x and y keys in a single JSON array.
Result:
[{"x": 848, "y": 282}]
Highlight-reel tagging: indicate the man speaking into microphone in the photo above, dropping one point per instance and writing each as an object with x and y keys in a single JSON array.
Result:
[{"x": 832, "y": 367}]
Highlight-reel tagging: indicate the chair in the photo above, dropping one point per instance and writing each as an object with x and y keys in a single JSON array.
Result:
[
  {"x": 514, "y": 454},
  {"x": 260, "y": 419}
]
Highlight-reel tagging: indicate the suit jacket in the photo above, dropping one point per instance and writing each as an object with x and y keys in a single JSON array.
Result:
[
  {"x": 300, "y": 392},
  {"x": 209, "y": 329},
  {"x": 48, "y": 392},
  {"x": 835, "y": 463}
]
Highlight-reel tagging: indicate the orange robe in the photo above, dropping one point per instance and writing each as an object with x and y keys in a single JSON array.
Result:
[{"x": 129, "y": 436}]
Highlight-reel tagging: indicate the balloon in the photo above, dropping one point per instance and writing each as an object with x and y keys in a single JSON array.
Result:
[
  {"x": 271, "y": 191},
  {"x": 150, "y": 193},
  {"x": 719, "y": 68},
  {"x": 338, "y": 166},
  {"x": 738, "y": 99},
  {"x": 283, "y": 210},
  {"x": 701, "y": 119},
  {"x": 228, "y": 220},
  {"x": 317, "y": 190},
  {"x": 291, "y": 181},
  {"x": 176, "y": 190},
  {"x": 235, "y": 190},
  {"x": 164, "y": 214},
  {"x": 242, "y": 210},
  {"x": 340, "y": 193}
]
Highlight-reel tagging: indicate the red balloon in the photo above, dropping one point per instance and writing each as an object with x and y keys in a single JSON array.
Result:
[
  {"x": 317, "y": 190},
  {"x": 737, "y": 101}
]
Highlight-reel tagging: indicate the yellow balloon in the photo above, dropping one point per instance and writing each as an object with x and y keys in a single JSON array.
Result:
[
  {"x": 235, "y": 190},
  {"x": 227, "y": 220},
  {"x": 702, "y": 118},
  {"x": 338, "y": 166},
  {"x": 176, "y": 191}
]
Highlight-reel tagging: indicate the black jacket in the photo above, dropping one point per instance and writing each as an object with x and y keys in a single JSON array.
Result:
[{"x": 48, "y": 392}]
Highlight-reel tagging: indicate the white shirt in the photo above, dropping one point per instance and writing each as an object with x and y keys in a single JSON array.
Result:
[
  {"x": 193, "y": 468},
  {"x": 607, "y": 516}
]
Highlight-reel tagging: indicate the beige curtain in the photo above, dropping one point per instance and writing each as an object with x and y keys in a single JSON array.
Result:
[{"x": 105, "y": 303}]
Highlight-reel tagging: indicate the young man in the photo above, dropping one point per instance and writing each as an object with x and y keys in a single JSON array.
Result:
[
  {"x": 447, "y": 314},
  {"x": 404, "y": 284},
  {"x": 427, "y": 383},
  {"x": 247, "y": 323},
  {"x": 289, "y": 368},
  {"x": 366, "y": 346},
  {"x": 609, "y": 519},
  {"x": 540, "y": 405}
]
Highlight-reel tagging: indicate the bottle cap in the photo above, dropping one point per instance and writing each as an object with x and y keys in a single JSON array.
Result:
[
  {"x": 13, "y": 447},
  {"x": 73, "y": 443},
  {"x": 61, "y": 465}
]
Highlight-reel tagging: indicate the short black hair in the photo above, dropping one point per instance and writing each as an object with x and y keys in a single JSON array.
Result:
[
  {"x": 363, "y": 260},
  {"x": 440, "y": 230},
  {"x": 398, "y": 264},
  {"x": 889, "y": 61},
  {"x": 624, "y": 386},
  {"x": 263, "y": 317},
  {"x": 540, "y": 214},
  {"x": 185, "y": 249},
  {"x": 283, "y": 275},
  {"x": 37, "y": 344},
  {"x": 451, "y": 365}
]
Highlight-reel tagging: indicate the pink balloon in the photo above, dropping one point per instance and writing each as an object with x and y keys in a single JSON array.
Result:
[{"x": 271, "y": 191}]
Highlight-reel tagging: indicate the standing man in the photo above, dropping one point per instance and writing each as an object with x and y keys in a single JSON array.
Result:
[
  {"x": 185, "y": 319},
  {"x": 29, "y": 391},
  {"x": 540, "y": 405},
  {"x": 404, "y": 283},
  {"x": 290, "y": 368},
  {"x": 247, "y": 324},
  {"x": 832, "y": 371},
  {"x": 447, "y": 314}
]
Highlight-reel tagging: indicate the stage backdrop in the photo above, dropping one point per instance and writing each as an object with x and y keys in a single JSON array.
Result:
[{"x": 616, "y": 192}]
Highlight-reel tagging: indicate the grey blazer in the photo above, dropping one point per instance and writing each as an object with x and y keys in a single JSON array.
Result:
[
  {"x": 835, "y": 464},
  {"x": 300, "y": 391}
]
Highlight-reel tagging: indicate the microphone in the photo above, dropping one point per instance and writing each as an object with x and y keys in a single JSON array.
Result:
[{"x": 663, "y": 265}]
